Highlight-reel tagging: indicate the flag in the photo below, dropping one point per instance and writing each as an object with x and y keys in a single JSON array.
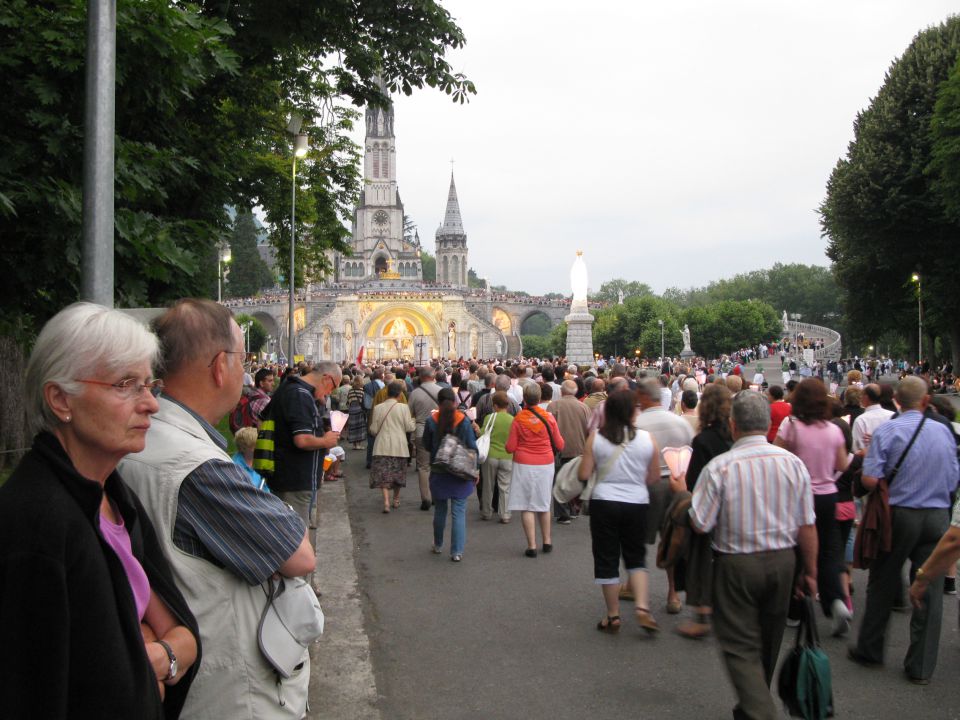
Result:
[{"x": 360, "y": 355}]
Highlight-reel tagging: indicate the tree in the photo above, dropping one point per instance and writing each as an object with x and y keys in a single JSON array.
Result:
[
  {"x": 624, "y": 329},
  {"x": 248, "y": 272},
  {"x": 884, "y": 213},
  {"x": 257, "y": 334},
  {"x": 473, "y": 281},
  {"x": 203, "y": 93},
  {"x": 538, "y": 346},
  {"x": 609, "y": 291},
  {"x": 729, "y": 325},
  {"x": 428, "y": 264}
]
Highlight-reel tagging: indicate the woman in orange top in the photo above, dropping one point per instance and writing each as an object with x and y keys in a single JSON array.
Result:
[{"x": 534, "y": 440}]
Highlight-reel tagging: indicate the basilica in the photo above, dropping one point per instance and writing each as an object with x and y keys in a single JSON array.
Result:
[{"x": 377, "y": 299}]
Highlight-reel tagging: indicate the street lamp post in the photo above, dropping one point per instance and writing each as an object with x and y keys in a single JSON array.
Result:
[
  {"x": 223, "y": 257},
  {"x": 661, "y": 339},
  {"x": 301, "y": 144},
  {"x": 916, "y": 278}
]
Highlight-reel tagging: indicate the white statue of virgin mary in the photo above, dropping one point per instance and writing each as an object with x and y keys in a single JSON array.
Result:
[{"x": 578, "y": 280}]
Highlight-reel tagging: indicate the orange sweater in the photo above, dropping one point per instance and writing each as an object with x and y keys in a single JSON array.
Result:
[{"x": 529, "y": 441}]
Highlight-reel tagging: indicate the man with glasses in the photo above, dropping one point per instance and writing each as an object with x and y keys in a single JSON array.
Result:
[
  {"x": 302, "y": 435},
  {"x": 222, "y": 536}
]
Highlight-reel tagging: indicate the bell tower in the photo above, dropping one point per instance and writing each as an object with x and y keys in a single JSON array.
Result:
[{"x": 451, "y": 241}]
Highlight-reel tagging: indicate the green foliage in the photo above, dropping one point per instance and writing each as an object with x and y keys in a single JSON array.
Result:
[
  {"x": 202, "y": 97},
  {"x": 624, "y": 329},
  {"x": 428, "y": 264},
  {"x": 248, "y": 272},
  {"x": 257, "y": 332},
  {"x": 729, "y": 325},
  {"x": 539, "y": 346},
  {"x": 609, "y": 291},
  {"x": 808, "y": 290},
  {"x": 473, "y": 281},
  {"x": 558, "y": 339},
  {"x": 536, "y": 324},
  {"x": 884, "y": 213}
]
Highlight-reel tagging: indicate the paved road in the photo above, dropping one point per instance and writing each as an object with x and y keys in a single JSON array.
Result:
[{"x": 503, "y": 636}]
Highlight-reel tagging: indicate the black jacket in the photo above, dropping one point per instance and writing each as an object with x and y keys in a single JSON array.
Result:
[{"x": 70, "y": 641}]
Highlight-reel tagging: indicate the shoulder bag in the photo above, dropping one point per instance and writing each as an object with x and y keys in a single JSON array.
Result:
[
  {"x": 805, "y": 684},
  {"x": 569, "y": 487},
  {"x": 875, "y": 533},
  {"x": 553, "y": 445},
  {"x": 483, "y": 442},
  {"x": 455, "y": 458}
]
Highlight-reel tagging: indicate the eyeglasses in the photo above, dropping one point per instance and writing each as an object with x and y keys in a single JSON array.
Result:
[
  {"x": 129, "y": 388},
  {"x": 228, "y": 352}
]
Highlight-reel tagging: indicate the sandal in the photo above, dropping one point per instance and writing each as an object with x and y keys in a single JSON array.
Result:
[
  {"x": 610, "y": 624},
  {"x": 674, "y": 606},
  {"x": 396, "y": 502},
  {"x": 646, "y": 621},
  {"x": 386, "y": 509},
  {"x": 693, "y": 629}
]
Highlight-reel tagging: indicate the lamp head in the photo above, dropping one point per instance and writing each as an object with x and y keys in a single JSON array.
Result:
[
  {"x": 301, "y": 144},
  {"x": 915, "y": 277}
]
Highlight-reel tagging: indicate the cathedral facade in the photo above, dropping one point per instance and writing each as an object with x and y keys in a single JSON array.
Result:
[{"x": 377, "y": 299}]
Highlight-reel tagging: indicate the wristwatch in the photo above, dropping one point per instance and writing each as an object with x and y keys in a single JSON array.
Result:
[
  {"x": 920, "y": 574},
  {"x": 172, "y": 671}
]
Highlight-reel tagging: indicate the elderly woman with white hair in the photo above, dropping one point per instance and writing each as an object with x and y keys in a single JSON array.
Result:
[
  {"x": 91, "y": 622},
  {"x": 534, "y": 440}
]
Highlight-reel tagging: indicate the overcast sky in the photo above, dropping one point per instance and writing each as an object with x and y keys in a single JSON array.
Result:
[{"x": 675, "y": 143}]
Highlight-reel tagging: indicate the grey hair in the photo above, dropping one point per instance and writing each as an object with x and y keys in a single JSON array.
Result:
[
  {"x": 81, "y": 341},
  {"x": 328, "y": 367},
  {"x": 649, "y": 388},
  {"x": 568, "y": 387},
  {"x": 751, "y": 412},
  {"x": 531, "y": 394},
  {"x": 910, "y": 392},
  {"x": 502, "y": 382}
]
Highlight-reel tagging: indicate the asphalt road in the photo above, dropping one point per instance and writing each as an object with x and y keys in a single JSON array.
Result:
[{"x": 504, "y": 636}]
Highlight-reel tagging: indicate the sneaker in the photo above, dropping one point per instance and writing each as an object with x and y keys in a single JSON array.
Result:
[
  {"x": 436, "y": 549},
  {"x": 456, "y": 558},
  {"x": 950, "y": 586},
  {"x": 841, "y": 618},
  {"x": 564, "y": 521},
  {"x": 793, "y": 622}
]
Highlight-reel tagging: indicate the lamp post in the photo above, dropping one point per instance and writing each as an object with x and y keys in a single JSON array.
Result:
[
  {"x": 223, "y": 257},
  {"x": 661, "y": 340},
  {"x": 916, "y": 278},
  {"x": 301, "y": 143}
]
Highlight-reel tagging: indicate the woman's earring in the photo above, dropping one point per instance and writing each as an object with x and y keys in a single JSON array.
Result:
[{"x": 67, "y": 419}]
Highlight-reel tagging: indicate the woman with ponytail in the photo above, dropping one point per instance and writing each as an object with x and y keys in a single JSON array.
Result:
[{"x": 447, "y": 489}]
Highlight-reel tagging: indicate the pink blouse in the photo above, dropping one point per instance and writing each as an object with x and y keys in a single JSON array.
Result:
[
  {"x": 816, "y": 444},
  {"x": 118, "y": 538}
]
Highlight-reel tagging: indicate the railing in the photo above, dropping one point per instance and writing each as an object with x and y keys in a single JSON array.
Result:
[{"x": 833, "y": 342}]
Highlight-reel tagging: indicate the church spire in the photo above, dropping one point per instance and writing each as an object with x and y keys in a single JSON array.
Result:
[
  {"x": 452, "y": 222},
  {"x": 380, "y": 121}
]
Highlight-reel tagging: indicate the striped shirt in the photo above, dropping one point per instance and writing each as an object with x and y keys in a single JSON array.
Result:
[
  {"x": 224, "y": 519},
  {"x": 754, "y": 497},
  {"x": 929, "y": 472}
]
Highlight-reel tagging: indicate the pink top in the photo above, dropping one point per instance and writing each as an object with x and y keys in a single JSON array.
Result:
[
  {"x": 118, "y": 538},
  {"x": 816, "y": 444}
]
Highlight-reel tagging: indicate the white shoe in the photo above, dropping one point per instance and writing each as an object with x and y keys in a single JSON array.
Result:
[{"x": 841, "y": 617}]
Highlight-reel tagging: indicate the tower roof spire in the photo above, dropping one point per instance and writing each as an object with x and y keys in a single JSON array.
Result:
[{"x": 452, "y": 222}]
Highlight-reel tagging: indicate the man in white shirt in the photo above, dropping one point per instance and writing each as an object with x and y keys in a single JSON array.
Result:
[
  {"x": 873, "y": 416},
  {"x": 669, "y": 430}
]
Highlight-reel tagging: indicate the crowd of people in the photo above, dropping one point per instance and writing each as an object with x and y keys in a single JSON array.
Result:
[{"x": 154, "y": 546}]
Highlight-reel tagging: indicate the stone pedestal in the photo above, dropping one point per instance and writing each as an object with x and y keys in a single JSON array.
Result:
[
  {"x": 687, "y": 353},
  {"x": 580, "y": 336}
]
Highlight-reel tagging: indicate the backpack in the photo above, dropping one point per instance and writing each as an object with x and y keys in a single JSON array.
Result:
[
  {"x": 241, "y": 416},
  {"x": 264, "y": 450}
]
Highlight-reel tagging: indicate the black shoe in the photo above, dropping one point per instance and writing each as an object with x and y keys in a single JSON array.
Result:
[
  {"x": 564, "y": 521},
  {"x": 918, "y": 680},
  {"x": 860, "y": 659},
  {"x": 530, "y": 552},
  {"x": 949, "y": 586},
  {"x": 425, "y": 504},
  {"x": 547, "y": 548}
]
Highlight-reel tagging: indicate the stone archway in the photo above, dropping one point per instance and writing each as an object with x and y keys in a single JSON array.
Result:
[
  {"x": 391, "y": 333},
  {"x": 502, "y": 319},
  {"x": 536, "y": 322}
]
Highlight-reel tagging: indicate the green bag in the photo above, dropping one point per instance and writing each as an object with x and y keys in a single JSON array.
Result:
[
  {"x": 263, "y": 451},
  {"x": 804, "y": 683}
]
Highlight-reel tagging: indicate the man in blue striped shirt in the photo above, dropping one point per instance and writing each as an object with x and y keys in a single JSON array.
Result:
[{"x": 920, "y": 512}]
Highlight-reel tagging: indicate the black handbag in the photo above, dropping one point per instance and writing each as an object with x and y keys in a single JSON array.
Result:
[{"x": 805, "y": 684}]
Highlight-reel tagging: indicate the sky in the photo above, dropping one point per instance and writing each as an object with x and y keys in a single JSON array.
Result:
[{"x": 674, "y": 143}]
